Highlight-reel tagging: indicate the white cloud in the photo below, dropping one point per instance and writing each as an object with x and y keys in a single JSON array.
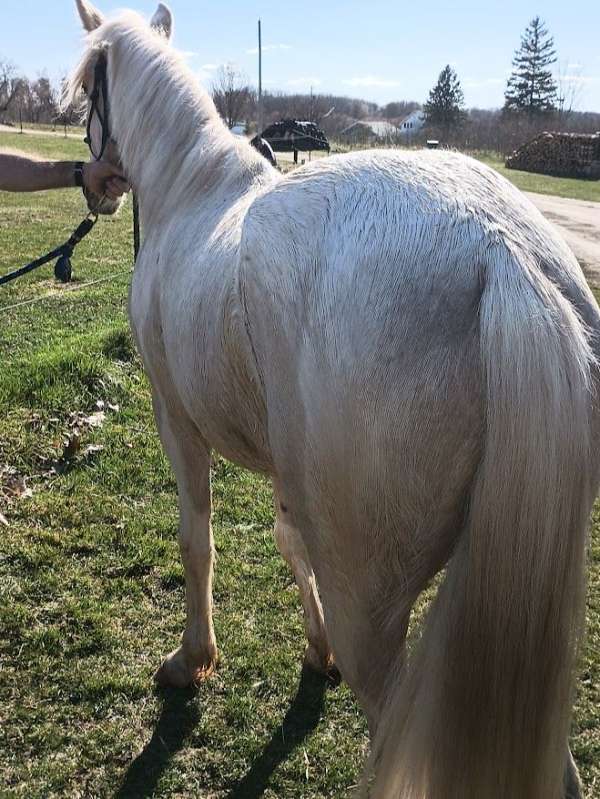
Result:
[
  {"x": 206, "y": 73},
  {"x": 371, "y": 80},
  {"x": 582, "y": 79},
  {"x": 188, "y": 53},
  {"x": 265, "y": 47},
  {"x": 472, "y": 83},
  {"x": 304, "y": 82}
]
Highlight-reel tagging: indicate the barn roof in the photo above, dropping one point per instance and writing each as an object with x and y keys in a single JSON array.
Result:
[{"x": 294, "y": 134}]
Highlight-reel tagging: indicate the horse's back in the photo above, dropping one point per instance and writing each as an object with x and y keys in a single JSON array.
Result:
[{"x": 394, "y": 222}]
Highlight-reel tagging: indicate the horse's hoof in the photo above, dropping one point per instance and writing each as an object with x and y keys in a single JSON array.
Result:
[
  {"x": 322, "y": 664},
  {"x": 177, "y": 672}
]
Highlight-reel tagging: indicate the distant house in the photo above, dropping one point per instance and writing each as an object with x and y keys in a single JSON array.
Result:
[
  {"x": 411, "y": 124},
  {"x": 369, "y": 131}
]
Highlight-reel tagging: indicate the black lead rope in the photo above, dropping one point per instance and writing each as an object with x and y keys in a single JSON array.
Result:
[
  {"x": 62, "y": 270},
  {"x": 136, "y": 228}
]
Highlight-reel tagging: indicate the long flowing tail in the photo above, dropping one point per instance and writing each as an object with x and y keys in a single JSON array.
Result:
[{"x": 483, "y": 708}]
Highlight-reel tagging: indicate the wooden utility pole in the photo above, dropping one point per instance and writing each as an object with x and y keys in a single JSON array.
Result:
[{"x": 259, "y": 123}]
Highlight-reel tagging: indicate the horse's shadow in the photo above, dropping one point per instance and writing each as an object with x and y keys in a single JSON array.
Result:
[
  {"x": 301, "y": 719},
  {"x": 180, "y": 714}
]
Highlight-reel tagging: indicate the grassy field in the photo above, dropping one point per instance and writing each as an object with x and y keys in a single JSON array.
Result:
[
  {"x": 91, "y": 585},
  {"x": 545, "y": 184}
]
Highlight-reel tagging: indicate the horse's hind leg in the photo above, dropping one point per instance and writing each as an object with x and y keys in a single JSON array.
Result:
[
  {"x": 190, "y": 459},
  {"x": 289, "y": 542},
  {"x": 365, "y": 650}
]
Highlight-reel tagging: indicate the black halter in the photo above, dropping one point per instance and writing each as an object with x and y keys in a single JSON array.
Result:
[{"x": 100, "y": 88}]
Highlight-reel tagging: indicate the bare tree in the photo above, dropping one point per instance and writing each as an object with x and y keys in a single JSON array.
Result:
[
  {"x": 570, "y": 86},
  {"x": 231, "y": 94},
  {"x": 45, "y": 99},
  {"x": 9, "y": 84}
]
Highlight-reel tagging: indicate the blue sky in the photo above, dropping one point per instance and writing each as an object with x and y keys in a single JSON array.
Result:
[{"x": 378, "y": 50}]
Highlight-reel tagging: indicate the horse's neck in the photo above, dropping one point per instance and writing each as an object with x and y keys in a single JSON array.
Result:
[{"x": 174, "y": 148}]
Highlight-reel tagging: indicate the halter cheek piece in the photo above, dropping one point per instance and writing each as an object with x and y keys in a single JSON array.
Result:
[{"x": 100, "y": 88}]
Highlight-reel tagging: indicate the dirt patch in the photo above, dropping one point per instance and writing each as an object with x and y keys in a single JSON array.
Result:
[{"x": 579, "y": 223}]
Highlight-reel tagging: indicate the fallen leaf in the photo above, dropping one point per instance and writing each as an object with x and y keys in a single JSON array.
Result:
[
  {"x": 95, "y": 419},
  {"x": 91, "y": 449},
  {"x": 15, "y": 485}
]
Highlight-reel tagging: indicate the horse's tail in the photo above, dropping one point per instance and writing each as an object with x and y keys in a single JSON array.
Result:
[{"x": 482, "y": 710}]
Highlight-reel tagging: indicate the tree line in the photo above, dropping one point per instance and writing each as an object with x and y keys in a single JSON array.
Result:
[
  {"x": 532, "y": 91},
  {"x": 30, "y": 101}
]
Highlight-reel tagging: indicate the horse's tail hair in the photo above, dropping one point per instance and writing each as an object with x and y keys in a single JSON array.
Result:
[{"x": 482, "y": 710}]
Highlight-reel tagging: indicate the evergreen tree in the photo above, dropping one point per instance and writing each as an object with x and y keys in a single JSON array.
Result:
[
  {"x": 444, "y": 108},
  {"x": 531, "y": 87}
]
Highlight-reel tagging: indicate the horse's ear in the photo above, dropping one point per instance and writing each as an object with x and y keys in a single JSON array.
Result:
[
  {"x": 91, "y": 18},
  {"x": 162, "y": 21}
]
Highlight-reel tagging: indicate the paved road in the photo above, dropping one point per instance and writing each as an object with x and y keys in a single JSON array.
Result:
[{"x": 579, "y": 223}]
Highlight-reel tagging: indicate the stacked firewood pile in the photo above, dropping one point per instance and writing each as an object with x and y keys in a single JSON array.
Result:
[{"x": 572, "y": 155}]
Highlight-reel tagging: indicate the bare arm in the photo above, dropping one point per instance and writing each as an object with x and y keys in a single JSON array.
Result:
[{"x": 19, "y": 173}]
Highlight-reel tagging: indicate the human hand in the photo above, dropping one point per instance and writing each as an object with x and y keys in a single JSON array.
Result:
[{"x": 102, "y": 178}]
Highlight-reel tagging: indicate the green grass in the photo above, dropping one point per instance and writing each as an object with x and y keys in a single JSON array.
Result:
[
  {"x": 544, "y": 184},
  {"x": 53, "y": 127},
  {"x": 45, "y": 146},
  {"x": 91, "y": 584}
]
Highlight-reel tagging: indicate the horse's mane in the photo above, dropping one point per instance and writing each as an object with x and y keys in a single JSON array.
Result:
[
  {"x": 157, "y": 103},
  {"x": 130, "y": 27}
]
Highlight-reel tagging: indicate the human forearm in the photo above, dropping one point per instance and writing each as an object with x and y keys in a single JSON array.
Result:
[
  {"x": 20, "y": 173},
  {"x": 24, "y": 174}
]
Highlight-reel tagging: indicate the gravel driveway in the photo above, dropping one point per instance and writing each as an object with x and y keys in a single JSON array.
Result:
[{"x": 579, "y": 223}]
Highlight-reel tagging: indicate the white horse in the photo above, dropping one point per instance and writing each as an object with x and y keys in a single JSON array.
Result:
[{"x": 408, "y": 349}]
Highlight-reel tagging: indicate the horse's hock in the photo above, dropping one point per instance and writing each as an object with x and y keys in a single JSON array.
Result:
[{"x": 570, "y": 155}]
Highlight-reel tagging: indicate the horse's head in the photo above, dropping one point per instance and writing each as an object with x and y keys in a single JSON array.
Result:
[{"x": 92, "y": 77}]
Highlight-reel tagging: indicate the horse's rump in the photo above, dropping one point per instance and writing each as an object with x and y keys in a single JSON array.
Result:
[{"x": 419, "y": 344}]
